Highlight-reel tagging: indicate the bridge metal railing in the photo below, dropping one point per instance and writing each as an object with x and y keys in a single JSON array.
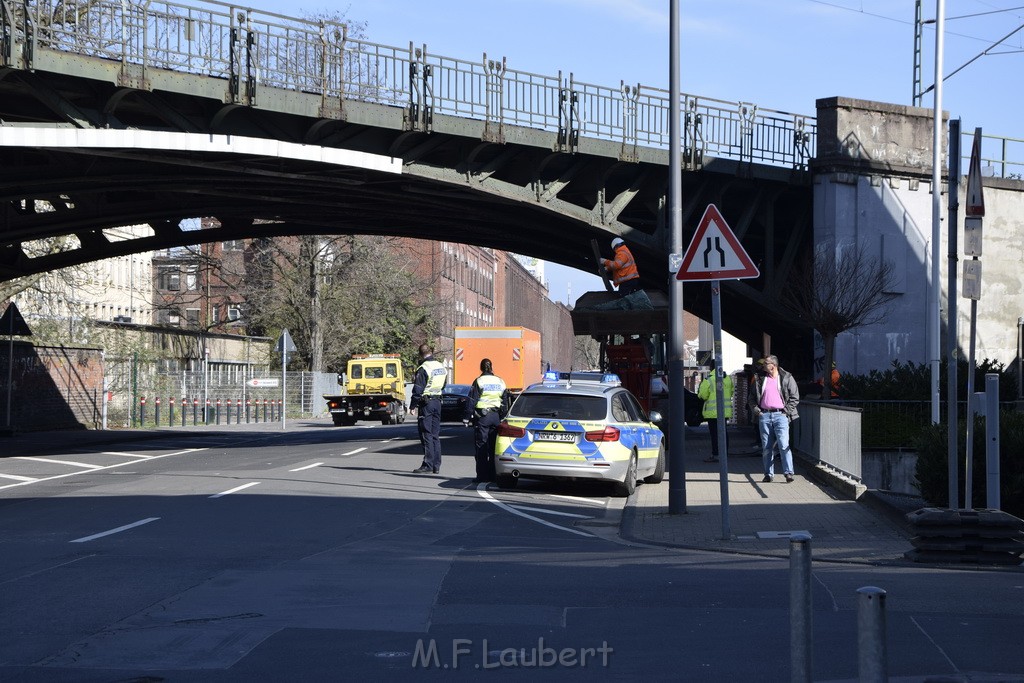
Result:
[
  {"x": 252, "y": 50},
  {"x": 996, "y": 155}
]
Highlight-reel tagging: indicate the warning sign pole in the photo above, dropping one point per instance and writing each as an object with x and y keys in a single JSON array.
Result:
[
  {"x": 723, "y": 450},
  {"x": 715, "y": 253},
  {"x": 975, "y": 211}
]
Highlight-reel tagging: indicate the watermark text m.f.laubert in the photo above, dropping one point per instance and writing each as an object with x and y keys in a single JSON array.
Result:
[{"x": 465, "y": 653}]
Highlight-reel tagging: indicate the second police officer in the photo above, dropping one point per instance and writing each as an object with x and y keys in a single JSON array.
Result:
[
  {"x": 488, "y": 403},
  {"x": 431, "y": 378}
]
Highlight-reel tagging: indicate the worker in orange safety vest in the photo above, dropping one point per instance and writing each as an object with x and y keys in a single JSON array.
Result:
[{"x": 622, "y": 269}]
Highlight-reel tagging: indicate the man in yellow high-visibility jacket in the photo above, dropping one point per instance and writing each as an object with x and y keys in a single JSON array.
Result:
[{"x": 706, "y": 393}]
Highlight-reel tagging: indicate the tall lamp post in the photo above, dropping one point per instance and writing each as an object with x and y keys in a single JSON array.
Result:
[
  {"x": 934, "y": 311},
  {"x": 677, "y": 432}
]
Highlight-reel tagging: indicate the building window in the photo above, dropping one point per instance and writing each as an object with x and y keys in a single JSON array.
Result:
[
  {"x": 169, "y": 278},
  {"x": 192, "y": 278},
  {"x": 234, "y": 313},
  {"x": 192, "y": 317},
  {"x": 233, "y": 245}
]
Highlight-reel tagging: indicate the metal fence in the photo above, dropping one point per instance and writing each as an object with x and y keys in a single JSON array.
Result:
[
  {"x": 138, "y": 397},
  {"x": 890, "y": 425},
  {"x": 832, "y": 435}
]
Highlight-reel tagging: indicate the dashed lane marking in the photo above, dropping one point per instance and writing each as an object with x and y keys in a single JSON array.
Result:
[
  {"x": 117, "y": 530},
  {"x": 234, "y": 490},
  {"x": 307, "y": 467},
  {"x": 358, "y": 450}
]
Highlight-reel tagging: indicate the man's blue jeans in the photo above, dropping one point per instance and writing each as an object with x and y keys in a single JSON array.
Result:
[{"x": 775, "y": 427}]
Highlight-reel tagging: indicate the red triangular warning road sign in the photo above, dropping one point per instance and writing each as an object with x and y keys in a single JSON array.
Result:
[
  {"x": 13, "y": 324},
  {"x": 715, "y": 253},
  {"x": 975, "y": 205}
]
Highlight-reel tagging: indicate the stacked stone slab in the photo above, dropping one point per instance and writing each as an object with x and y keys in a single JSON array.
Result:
[{"x": 979, "y": 536}]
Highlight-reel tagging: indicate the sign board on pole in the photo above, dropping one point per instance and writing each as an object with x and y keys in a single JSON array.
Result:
[
  {"x": 285, "y": 343},
  {"x": 975, "y": 205},
  {"x": 264, "y": 382},
  {"x": 972, "y": 236},
  {"x": 13, "y": 323},
  {"x": 715, "y": 253},
  {"x": 972, "y": 279}
]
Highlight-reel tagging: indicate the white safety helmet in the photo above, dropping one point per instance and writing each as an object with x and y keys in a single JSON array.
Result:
[{"x": 616, "y": 242}]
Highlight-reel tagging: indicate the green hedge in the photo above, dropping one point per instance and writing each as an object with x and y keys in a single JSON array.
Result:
[{"x": 933, "y": 470}]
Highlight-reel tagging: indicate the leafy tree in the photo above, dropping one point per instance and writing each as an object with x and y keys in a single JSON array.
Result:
[
  {"x": 337, "y": 296},
  {"x": 839, "y": 290}
]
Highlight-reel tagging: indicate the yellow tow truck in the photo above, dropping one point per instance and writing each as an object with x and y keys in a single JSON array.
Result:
[{"x": 374, "y": 390}]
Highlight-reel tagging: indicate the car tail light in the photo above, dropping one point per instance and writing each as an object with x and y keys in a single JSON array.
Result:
[
  {"x": 332, "y": 404},
  {"x": 606, "y": 434},
  {"x": 383, "y": 404},
  {"x": 505, "y": 429}
]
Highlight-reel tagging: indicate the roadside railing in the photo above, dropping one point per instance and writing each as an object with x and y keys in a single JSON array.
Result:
[
  {"x": 830, "y": 434},
  {"x": 896, "y": 425},
  {"x": 997, "y": 155}
]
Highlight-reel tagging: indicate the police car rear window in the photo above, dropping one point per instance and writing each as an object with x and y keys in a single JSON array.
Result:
[{"x": 561, "y": 406}]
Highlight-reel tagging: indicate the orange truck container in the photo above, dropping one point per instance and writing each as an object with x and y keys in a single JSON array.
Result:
[{"x": 514, "y": 353}]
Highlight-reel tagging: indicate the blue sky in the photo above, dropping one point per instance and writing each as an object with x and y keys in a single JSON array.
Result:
[{"x": 778, "y": 54}]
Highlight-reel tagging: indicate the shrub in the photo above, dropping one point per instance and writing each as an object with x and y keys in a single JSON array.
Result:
[
  {"x": 933, "y": 471},
  {"x": 912, "y": 382}
]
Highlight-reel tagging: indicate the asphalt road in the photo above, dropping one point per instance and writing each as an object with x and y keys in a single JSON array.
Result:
[{"x": 316, "y": 554}]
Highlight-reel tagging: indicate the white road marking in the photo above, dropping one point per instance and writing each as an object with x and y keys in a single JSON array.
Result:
[
  {"x": 117, "y": 530},
  {"x": 15, "y": 477},
  {"x": 583, "y": 501},
  {"x": 72, "y": 463},
  {"x": 307, "y": 467},
  {"x": 508, "y": 508},
  {"x": 234, "y": 490},
  {"x": 358, "y": 450},
  {"x": 128, "y": 455},
  {"x": 108, "y": 467},
  {"x": 46, "y": 569},
  {"x": 542, "y": 511}
]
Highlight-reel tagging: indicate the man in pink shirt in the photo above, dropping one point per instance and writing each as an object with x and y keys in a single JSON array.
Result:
[{"x": 773, "y": 400}]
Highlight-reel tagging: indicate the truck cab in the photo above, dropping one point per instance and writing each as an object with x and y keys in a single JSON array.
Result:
[{"x": 374, "y": 390}]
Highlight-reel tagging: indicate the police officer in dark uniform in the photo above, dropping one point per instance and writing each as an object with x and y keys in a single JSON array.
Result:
[
  {"x": 488, "y": 402},
  {"x": 431, "y": 378}
]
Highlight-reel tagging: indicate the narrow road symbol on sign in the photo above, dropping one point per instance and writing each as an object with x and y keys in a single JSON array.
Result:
[{"x": 715, "y": 253}]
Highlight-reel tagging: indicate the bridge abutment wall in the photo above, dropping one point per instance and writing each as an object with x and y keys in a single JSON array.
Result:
[{"x": 873, "y": 190}]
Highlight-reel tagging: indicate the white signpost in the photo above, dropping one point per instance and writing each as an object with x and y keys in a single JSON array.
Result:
[
  {"x": 715, "y": 254},
  {"x": 975, "y": 211},
  {"x": 285, "y": 345}
]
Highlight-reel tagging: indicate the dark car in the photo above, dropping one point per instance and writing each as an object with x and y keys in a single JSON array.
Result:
[
  {"x": 693, "y": 407},
  {"x": 453, "y": 402}
]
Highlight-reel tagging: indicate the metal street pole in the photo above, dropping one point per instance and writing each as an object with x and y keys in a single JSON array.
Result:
[
  {"x": 952, "y": 338},
  {"x": 677, "y": 345},
  {"x": 934, "y": 310},
  {"x": 723, "y": 479}
]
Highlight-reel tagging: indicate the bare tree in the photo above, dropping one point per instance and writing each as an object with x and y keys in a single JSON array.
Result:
[{"x": 835, "y": 292}]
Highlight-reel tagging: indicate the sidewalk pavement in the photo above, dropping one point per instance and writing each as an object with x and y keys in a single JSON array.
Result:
[{"x": 761, "y": 517}]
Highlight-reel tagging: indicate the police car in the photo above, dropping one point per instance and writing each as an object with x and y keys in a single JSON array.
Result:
[{"x": 580, "y": 426}]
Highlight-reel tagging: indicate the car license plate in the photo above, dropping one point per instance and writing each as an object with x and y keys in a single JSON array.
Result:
[{"x": 566, "y": 437}]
